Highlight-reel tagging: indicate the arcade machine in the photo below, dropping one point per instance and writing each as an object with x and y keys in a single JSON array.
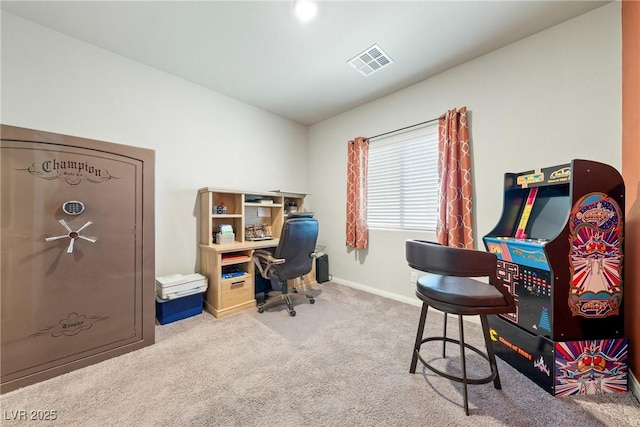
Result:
[{"x": 559, "y": 245}]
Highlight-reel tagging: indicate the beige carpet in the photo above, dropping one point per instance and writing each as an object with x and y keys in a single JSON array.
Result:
[{"x": 343, "y": 361}]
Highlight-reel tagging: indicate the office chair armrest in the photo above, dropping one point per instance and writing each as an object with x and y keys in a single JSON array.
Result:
[
  {"x": 265, "y": 261},
  {"x": 268, "y": 257}
]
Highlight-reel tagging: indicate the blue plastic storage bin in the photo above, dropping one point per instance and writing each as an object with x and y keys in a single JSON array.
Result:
[{"x": 168, "y": 311}]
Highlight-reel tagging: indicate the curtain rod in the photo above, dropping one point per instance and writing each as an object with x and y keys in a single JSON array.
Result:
[{"x": 406, "y": 127}]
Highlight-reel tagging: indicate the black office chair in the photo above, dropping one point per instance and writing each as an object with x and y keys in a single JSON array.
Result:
[
  {"x": 450, "y": 289},
  {"x": 292, "y": 259}
]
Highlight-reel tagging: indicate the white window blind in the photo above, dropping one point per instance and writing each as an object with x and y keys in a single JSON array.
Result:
[{"x": 403, "y": 180}]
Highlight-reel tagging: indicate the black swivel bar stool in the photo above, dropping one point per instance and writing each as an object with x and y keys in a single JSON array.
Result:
[{"x": 451, "y": 289}]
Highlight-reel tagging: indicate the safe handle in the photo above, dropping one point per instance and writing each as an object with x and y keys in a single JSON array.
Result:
[{"x": 72, "y": 235}]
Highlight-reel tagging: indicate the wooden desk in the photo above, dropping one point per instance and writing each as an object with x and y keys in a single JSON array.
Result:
[
  {"x": 226, "y": 296},
  {"x": 229, "y": 296}
]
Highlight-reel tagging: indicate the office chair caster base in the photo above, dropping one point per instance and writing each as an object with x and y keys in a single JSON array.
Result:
[{"x": 287, "y": 298}]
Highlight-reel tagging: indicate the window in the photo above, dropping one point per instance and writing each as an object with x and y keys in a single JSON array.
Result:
[{"x": 403, "y": 180}]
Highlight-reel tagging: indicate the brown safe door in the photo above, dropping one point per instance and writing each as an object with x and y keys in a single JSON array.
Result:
[{"x": 72, "y": 261}]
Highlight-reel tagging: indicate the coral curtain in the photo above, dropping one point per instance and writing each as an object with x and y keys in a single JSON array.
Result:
[
  {"x": 357, "y": 163},
  {"x": 455, "y": 222}
]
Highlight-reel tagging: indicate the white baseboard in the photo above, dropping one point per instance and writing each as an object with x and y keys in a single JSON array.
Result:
[
  {"x": 633, "y": 384},
  {"x": 413, "y": 301},
  {"x": 386, "y": 294}
]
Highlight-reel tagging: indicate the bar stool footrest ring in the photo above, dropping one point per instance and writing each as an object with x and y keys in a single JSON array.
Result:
[{"x": 484, "y": 380}]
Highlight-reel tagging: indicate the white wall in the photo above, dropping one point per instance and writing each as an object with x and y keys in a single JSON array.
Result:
[
  {"x": 543, "y": 101},
  {"x": 201, "y": 138}
]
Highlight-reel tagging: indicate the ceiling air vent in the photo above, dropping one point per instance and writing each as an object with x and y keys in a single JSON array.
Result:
[{"x": 370, "y": 61}]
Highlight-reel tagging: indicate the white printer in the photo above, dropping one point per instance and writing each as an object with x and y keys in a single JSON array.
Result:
[{"x": 179, "y": 285}]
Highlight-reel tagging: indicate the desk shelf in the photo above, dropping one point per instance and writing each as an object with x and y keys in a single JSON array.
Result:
[
  {"x": 264, "y": 205},
  {"x": 235, "y": 260}
]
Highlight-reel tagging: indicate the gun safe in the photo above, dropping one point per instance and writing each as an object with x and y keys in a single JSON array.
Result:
[{"x": 77, "y": 253}]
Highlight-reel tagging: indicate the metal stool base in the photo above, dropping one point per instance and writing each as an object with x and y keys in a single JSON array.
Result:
[{"x": 489, "y": 356}]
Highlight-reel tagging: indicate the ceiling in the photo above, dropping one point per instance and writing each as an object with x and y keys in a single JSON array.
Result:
[{"x": 258, "y": 53}]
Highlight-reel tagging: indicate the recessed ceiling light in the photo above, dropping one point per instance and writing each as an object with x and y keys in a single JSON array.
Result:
[
  {"x": 305, "y": 10},
  {"x": 370, "y": 60}
]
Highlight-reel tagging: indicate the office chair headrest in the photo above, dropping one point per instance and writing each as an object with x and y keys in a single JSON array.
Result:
[{"x": 300, "y": 215}]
